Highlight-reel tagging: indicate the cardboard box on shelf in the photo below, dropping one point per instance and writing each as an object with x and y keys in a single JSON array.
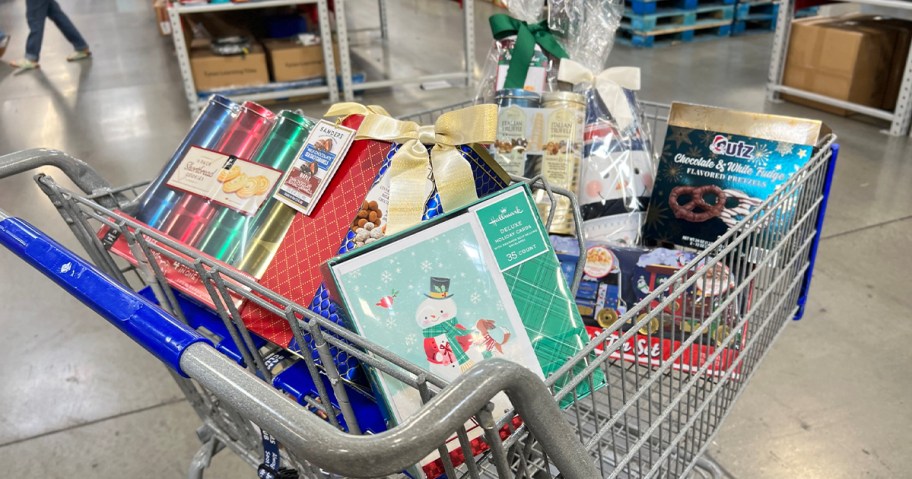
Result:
[
  {"x": 161, "y": 17},
  {"x": 903, "y": 31},
  {"x": 211, "y": 71},
  {"x": 841, "y": 58},
  {"x": 290, "y": 60}
]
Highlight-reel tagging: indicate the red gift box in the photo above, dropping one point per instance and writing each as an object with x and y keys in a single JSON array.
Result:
[{"x": 295, "y": 271}]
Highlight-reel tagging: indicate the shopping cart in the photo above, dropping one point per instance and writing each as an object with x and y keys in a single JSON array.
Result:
[{"x": 655, "y": 417}]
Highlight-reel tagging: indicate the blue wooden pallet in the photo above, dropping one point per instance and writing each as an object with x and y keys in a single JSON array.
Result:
[
  {"x": 674, "y": 19},
  {"x": 700, "y": 31},
  {"x": 755, "y": 17},
  {"x": 743, "y": 27},
  {"x": 756, "y": 10},
  {"x": 646, "y": 7},
  {"x": 806, "y": 12}
]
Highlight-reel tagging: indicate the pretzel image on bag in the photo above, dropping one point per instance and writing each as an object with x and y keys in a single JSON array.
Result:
[{"x": 688, "y": 211}]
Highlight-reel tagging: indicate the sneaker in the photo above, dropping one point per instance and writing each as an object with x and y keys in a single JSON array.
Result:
[
  {"x": 23, "y": 65},
  {"x": 79, "y": 55},
  {"x": 4, "y": 42}
]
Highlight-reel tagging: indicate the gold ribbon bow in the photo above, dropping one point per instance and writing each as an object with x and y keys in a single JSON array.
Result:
[
  {"x": 609, "y": 84},
  {"x": 411, "y": 165},
  {"x": 345, "y": 109}
]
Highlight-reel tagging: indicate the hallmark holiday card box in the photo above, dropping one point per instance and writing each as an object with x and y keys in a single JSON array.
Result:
[
  {"x": 476, "y": 283},
  {"x": 718, "y": 165}
]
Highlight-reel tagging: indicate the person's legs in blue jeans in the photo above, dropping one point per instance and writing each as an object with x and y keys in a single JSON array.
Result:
[
  {"x": 55, "y": 13},
  {"x": 35, "y": 13}
]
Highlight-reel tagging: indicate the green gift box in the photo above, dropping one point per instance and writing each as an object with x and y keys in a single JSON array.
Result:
[{"x": 479, "y": 282}]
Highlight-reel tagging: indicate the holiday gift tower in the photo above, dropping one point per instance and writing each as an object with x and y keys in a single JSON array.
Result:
[
  {"x": 530, "y": 43},
  {"x": 395, "y": 174},
  {"x": 541, "y": 130},
  {"x": 527, "y": 54},
  {"x": 718, "y": 165},
  {"x": 475, "y": 283}
]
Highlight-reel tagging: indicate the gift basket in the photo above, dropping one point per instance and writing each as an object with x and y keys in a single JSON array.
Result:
[{"x": 555, "y": 278}]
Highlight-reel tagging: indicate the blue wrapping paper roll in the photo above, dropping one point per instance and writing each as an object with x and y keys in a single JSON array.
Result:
[{"x": 158, "y": 200}]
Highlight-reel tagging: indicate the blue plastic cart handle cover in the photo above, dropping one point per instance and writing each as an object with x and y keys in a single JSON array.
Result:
[{"x": 155, "y": 330}]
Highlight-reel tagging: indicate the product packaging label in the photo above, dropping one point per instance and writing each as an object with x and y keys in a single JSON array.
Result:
[
  {"x": 708, "y": 181},
  {"x": 224, "y": 179},
  {"x": 564, "y": 141},
  {"x": 427, "y": 296},
  {"x": 512, "y": 142},
  {"x": 513, "y": 232},
  {"x": 560, "y": 163},
  {"x": 324, "y": 150}
]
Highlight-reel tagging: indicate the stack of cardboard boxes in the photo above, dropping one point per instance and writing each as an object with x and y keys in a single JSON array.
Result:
[
  {"x": 857, "y": 58},
  {"x": 212, "y": 71},
  {"x": 272, "y": 60},
  {"x": 292, "y": 59}
]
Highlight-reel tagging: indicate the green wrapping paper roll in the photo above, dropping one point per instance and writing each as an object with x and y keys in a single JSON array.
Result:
[
  {"x": 275, "y": 219},
  {"x": 230, "y": 232}
]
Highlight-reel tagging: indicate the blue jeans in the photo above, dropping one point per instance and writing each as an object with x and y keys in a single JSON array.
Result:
[{"x": 37, "y": 11}]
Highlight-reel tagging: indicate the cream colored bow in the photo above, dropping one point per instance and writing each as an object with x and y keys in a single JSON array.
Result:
[
  {"x": 411, "y": 165},
  {"x": 351, "y": 108},
  {"x": 609, "y": 84}
]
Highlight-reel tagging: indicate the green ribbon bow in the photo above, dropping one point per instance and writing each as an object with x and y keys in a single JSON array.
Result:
[
  {"x": 452, "y": 334},
  {"x": 527, "y": 36}
]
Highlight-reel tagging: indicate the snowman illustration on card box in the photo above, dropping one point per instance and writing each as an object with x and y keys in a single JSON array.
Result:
[{"x": 451, "y": 348}]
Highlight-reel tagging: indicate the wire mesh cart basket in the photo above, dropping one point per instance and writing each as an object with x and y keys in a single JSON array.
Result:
[{"x": 654, "y": 418}]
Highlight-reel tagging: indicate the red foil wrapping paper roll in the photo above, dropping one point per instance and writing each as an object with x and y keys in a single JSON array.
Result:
[{"x": 193, "y": 213}]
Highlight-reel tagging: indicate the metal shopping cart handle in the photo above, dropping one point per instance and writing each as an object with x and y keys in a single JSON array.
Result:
[
  {"x": 79, "y": 172},
  {"x": 303, "y": 433}
]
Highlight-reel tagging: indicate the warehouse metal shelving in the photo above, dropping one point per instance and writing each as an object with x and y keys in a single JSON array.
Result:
[
  {"x": 900, "y": 117},
  {"x": 467, "y": 73},
  {"x": 176, "y": 11}
]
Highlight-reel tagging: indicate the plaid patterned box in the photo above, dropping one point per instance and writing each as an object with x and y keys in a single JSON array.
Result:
[
  {"x": 509, "y": 274},
  {"x": 294, "y": 272},
  {"x": 476, "y": 283}
]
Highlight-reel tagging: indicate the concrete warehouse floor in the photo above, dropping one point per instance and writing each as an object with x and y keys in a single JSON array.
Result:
[{"x": 79, "y": 399}]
